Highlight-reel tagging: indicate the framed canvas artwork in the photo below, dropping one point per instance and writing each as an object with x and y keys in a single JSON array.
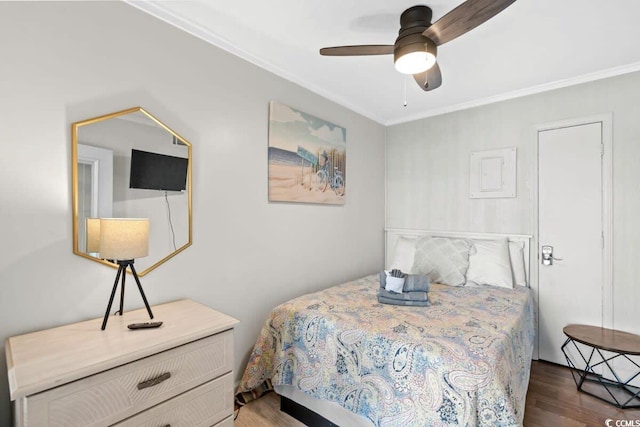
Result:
[{"x": 307, "y": 157}]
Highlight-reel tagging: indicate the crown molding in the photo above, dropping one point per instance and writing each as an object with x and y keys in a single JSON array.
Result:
[
  {"x": 157, "y": 10},
  {"x": 559, "y": 84}
]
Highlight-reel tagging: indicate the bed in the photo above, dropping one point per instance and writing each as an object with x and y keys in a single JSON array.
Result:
[{"x": 464, "y": 360}]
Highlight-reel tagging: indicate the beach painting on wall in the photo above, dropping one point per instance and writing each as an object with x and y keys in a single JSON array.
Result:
[{"x": 307, "y": 157}]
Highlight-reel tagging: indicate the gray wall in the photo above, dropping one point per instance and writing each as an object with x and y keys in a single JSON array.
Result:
[
  {"x": 428, "y": 171},
  {"x": 65, "y": 62}
]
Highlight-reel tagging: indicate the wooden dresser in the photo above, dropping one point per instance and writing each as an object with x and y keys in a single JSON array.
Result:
[{"x": 77, "y": 375}]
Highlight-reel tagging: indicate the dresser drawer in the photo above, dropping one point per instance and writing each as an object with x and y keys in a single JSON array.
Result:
[
  {"x": 111, "y": 396},
  {"x": 203, "y": 406}
]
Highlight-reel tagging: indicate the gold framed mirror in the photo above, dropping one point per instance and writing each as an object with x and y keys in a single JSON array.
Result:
[{"x": 129, "y": 164}]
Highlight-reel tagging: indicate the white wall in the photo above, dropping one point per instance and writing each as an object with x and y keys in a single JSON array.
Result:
[
  {"x": 65, "y": 62},
  {"x": 428, "y": 171}
]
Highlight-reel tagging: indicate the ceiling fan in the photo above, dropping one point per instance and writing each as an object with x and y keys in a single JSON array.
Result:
[{"x": 415, "y": 49}]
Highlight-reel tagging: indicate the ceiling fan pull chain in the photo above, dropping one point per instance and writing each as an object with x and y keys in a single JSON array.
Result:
[{"x": 405, "y": 89}]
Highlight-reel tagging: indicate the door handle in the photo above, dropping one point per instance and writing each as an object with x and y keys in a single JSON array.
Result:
[{"x": 547, "y": 255}]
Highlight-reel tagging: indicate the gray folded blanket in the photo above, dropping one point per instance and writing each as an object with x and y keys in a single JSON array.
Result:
[
  {"x": 384, "y": 300},
  {"x": 412, "y": 282},
  {"x": 403, "y": 296},
  {"x": 416, "y": 283}
]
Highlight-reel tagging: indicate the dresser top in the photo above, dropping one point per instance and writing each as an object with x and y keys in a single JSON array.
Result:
[{"x": 41, "y": 360}]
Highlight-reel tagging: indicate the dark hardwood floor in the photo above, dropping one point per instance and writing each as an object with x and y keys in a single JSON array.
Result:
[{"x": 552, "y": 401}]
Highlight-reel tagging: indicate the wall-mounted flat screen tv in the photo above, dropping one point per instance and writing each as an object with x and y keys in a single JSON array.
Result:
[{"x": 155, "y": 171}]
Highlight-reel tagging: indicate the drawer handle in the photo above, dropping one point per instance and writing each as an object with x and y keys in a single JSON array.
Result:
[{"x": 154, "y": 381}]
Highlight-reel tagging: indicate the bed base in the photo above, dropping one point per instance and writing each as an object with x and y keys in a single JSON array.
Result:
[{"x": 305, "y": 415}]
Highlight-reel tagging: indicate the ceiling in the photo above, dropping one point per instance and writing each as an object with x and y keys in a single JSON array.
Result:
[{"x": 532, "y": 46}]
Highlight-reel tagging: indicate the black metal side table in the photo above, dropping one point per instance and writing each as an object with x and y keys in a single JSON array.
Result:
[{"x": 616, "y": 344}]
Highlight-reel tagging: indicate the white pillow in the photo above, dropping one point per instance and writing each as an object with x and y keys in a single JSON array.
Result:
[
  {"x": 490, "y": 265},
  {"x": 516, "y": 254},
  {"x": 444, "y": 260},
  {"x": 404, "y": 254}
]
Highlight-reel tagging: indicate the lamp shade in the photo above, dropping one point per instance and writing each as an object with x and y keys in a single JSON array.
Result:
[
  {"x": 93, "y": 234},
  {"x": 124, "y": 238}
]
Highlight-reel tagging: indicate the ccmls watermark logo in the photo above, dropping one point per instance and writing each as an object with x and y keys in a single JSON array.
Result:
[{"x": 621, "y": 423}]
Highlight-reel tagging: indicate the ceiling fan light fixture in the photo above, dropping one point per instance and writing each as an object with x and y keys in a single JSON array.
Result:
[
  {"x": 415, "y": 62},
  {"x": 414, "y": 54}
]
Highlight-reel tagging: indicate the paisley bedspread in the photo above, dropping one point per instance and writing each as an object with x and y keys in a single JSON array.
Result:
[{"x": 465, "y": 360}]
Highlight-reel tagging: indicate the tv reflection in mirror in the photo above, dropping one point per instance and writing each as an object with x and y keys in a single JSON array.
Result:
[{"x": 153, "y": 171}]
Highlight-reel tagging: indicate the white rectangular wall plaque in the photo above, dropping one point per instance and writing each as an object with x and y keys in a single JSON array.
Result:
[{"x": 492, "y": 173}]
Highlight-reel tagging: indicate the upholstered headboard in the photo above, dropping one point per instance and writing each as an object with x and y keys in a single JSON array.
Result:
[{"x": 391, "y": 234}]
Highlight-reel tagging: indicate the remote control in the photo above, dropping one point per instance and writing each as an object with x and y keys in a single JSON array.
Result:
[{"x": 144, "y": 325}]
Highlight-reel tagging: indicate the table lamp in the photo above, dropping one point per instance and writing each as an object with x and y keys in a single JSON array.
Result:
[{"x": 123, "y": 240}]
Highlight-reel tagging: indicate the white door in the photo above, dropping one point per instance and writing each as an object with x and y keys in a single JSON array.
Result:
[
  {"x": 95, "y": 187},
  {"x": 570, "y": 220}
]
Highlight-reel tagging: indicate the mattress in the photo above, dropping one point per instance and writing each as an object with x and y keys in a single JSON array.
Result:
[{"x": 464, "y": 360}]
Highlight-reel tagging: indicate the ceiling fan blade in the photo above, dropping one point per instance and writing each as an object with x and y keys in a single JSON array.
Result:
[
  {"x": 464, "y": 18},
  {"x": 374, "y": 49},
  {"x": 430, "y": 79}
]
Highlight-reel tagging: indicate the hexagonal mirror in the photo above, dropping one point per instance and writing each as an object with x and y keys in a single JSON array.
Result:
[{"x": 129, "y": 164}]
